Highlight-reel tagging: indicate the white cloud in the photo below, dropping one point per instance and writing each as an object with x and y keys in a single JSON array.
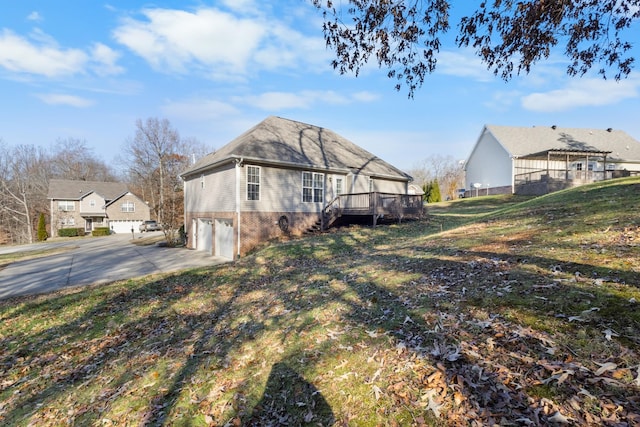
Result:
[
  {"x": 275, "y": 101},
  {"x": 586, "y": 92},
  {"x": 365, "y": 96},
  {"x": 62, "y": 99},
  {"x": 35, "y": 16},
  {"x": 245, "y": 6},
  {"x": 221, "y": 44},
  {"x": 105, "y": 60},
  {"x": 19, "y": 54},
  {"x": 465, "y": 64},
  {"x": 176, "y": 39},
  {"x": 503, "y": 100}
]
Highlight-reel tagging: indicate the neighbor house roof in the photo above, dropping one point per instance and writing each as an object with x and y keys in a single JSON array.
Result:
[
  {"x": 289, "y": 143},
  {"x": 66, "y": 189},
  {"x": 524, "y": 141}
]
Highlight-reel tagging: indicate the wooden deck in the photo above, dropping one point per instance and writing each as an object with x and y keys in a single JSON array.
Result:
[{"x": 376, "y": 205}]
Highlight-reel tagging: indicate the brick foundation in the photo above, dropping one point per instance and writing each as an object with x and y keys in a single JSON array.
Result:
[{"x": 256, "y": 227}]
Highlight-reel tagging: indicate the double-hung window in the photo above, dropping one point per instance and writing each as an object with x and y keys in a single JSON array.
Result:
[
  {"x": 128, "y": 207},
  {"x": 66, "y": 205},
  {"x": 253, "y": 183},
  {"x": 312, "y": 187},
  {"x": 339, "y": 189}
]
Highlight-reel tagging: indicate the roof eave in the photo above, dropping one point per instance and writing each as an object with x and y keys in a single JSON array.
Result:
[{"x": 266, "y": 162}]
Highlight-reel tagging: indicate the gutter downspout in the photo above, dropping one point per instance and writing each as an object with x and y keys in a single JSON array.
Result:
[{"x": 238, "y": 200}]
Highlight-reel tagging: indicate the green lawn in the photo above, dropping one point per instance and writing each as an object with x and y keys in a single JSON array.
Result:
[{"x": 492, "y": 310}]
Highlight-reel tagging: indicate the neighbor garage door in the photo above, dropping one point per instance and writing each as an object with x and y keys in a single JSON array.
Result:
[
  {"x": 120, "y": 226},
  {"x": 224, "y": 238}
]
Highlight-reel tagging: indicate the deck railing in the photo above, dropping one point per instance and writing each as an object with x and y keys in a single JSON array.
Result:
[{"x": 374, "y": 204}]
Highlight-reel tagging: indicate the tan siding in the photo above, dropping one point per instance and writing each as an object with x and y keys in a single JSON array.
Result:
[
  {"x": 386, "y": 186},
  {"x": 359, "y": 184},
  {"x": 218, "y": 194},
  {"x": 280, "y": 191},
  {"x": 142, "y": 211},
  {"x": 85, "y": 204}
]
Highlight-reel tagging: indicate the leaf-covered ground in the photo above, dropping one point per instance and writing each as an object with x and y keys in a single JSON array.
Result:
[{"x": 527, "y": 316}]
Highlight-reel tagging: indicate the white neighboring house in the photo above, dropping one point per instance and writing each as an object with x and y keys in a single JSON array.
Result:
[{"x": 539, "y": 160}]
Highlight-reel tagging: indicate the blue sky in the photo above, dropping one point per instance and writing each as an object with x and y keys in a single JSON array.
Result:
[{"x": 88, "y": 70}]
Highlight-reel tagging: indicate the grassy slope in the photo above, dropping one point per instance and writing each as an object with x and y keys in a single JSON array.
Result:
[{"x": 495, "y": 309}]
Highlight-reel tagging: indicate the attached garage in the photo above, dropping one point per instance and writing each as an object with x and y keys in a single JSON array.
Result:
[
  {"x": 205, "y": 235},
  {"x": 124, "y": 226},
  {"x": 224, "y": 238}
]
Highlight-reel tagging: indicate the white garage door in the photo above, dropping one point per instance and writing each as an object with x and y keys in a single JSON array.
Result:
[
  {"x": 204, "y": 241},
  {"x": 120, "y": 226},
  {"x": 224, "y": 238}
]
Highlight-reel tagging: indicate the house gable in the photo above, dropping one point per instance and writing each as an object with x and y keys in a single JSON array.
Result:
[
  {"x": 92, "y": 203},
  {"x": 489, "y": 164},
  {"x": 128, "y": 207}
]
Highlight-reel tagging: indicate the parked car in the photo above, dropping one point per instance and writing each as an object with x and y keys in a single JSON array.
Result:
[{"x": 150, "y": 225}]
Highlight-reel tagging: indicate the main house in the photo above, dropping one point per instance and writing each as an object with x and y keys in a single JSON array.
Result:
[
  {"x": 284, "y": 177},
  {"x": 539, "y": 160},
  {"x": 91, "y": 204}
]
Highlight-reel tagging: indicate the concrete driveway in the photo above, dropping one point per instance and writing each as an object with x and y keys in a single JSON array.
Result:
[{"x": 94, "y": 260}]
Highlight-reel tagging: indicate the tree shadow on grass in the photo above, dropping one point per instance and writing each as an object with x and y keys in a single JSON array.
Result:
[{"x": 289, "y": 399}]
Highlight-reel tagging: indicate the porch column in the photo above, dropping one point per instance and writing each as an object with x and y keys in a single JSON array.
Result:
[
  {"x": 373, "y": 202},
  {"x": 586, "y": 169}
]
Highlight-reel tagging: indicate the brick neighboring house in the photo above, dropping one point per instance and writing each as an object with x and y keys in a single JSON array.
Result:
[
  {"x": 91, "y": 204},
  {"x": 285, "y": 177}
]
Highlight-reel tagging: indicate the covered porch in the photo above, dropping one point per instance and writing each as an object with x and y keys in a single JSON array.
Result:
[{"x": 554, "y": 170}]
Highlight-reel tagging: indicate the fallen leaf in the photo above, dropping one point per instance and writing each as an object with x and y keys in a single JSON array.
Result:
[
  {"x": 558, "y": 418},
  {"x": 604, "y": 367},
  {"x": 432, "y": 404},
  {"x": 608, "y": 333},
  {"x": 377, "y": 392}
]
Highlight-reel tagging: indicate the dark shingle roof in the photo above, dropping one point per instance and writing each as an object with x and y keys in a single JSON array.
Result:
[
  {"x": 287, "y": 142},
  {"x": 66, "y": 189},
  {"x": 523, "y": 141}
]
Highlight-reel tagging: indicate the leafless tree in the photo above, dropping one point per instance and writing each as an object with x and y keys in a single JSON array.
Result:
[
  {"x": 509, "y": 36},
  {"x": 72, "y": 159},
  {"x": 156, "y": 155},
  {"x": 445, "y": 169},
  {"x": 23, "y": 190}
]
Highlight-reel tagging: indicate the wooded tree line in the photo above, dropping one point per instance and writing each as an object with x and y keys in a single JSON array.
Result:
[
  {"x": 150, "y": 164},
  {"x": 443, "y": 173}
]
